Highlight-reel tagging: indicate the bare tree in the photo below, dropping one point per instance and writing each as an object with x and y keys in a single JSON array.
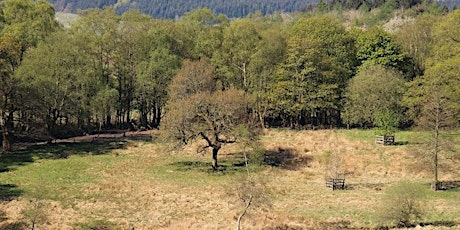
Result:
[
  {"x": 251, "y": 190},
  {"x": 436, "y": 116},
  {"x": 197, "y": 111}
]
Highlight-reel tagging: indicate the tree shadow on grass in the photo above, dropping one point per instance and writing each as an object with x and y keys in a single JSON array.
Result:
[
  {"x": 401, "y": 143},
  {"x": 232, "y": 163},
  {"x": 14, "y": 226},
  {"x": 64, "y": 150},
  {"x": 365, "y": 186},
  {"x": 26, "y": 155},
  {"x": 225, "y": 167},
  {"x": 9, "y": 191},
  {"x": 184, "y": 166},
  {"x": 450, "y": 185},
  {"x": 286, "y": 158}
]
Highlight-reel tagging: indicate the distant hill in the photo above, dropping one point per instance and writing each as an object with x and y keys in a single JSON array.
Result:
[
  {"x": 174, "y": 8},
  {"x": 231, "y": 8}
]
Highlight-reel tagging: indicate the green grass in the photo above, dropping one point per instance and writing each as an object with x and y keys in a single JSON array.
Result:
[
  {"x": 56, "y": 179},
  {"x": 68, "y": 173},
  {"x": 97, "y": 224},
  {"x": 41, "y": 171},
  {"x": 366, "y": 135},
  {"x": 402, "y": 137},
  {"x": 54, "y": 171}
]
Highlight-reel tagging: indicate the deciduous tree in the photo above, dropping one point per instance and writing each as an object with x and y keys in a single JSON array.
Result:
[
  {"x": 375, "y": 89},
  {"x": 24, "y": 23},
  {"x": 241, "y": 41},
  {"x": 376, "y": 46},
  {"x": 154, "y": 75},
  {"x": 96, "y": 32},
  {"x": 433, "y": 100},
  {"x": 320, "y": 59},
  {"x": 197, "y": 111},
  {"x": 58, "y": 80},
  {"x": 416, "y": 39}
]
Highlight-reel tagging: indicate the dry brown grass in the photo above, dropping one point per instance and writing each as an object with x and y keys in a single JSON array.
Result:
[{"x": 141, "y": 188}]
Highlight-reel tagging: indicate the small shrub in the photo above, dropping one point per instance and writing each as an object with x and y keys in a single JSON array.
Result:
[
  {"x": 257, "y": 156},
  {"x": 387, "y": 122},
  {"x": 401, "y": 205},
  {"x": 35, "y": 214}
]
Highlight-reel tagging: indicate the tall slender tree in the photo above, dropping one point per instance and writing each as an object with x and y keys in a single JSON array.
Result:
[
  {"x": 154, "y": 75},
  {"x": 58, "y": 78},
  {"x": 24, "y": 23},
  {"x": 96, "y": 32},
  {"x": 320, "y": 59},
  {"x": 433, "y": 98}
]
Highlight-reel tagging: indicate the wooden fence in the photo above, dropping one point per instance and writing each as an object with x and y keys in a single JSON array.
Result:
[
  {"x": 385, "y": 140},
  {"x": 335, "y": 184}
]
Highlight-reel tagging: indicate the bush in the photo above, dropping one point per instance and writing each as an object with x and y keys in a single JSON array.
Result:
[
  {"x": 387, "y": 122},
  {"x": 257, "y": 155},
  {"x": 401, "y": 205}
]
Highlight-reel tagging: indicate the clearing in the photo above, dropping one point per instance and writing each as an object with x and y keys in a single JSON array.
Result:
[{"x": 132, "y": 183}]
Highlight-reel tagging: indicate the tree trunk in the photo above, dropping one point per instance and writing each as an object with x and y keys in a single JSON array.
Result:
[
  {"x": 108, "y": 119},
  {"x": 436, "y": 185},
  {"x": 157, "y": 115},
  {"x": 8, "y": 126},
  {"x": 238, "y": 223},
  {"x": 215, "y": 150},
  {"x": 143, "y": 115},
  {"x": 6, "y": 144}
]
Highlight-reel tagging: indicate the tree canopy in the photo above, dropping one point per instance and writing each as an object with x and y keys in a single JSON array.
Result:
[
  {"x": 130, "y": 71},
  {"x": 375, "y": 89},
  {"x": 196, "y": 110}
]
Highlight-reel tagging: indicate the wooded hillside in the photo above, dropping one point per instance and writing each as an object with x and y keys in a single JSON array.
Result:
[
  {"x": 316, "y": 69},
  {"x": 230, "y": 8}
]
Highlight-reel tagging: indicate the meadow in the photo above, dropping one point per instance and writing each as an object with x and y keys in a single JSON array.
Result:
[{"x": 139, "y": 184}]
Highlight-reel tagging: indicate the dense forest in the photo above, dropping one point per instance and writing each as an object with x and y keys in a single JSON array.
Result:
[
  {"x": 230, "y": 8},
  {"x": 310, "y": 70}
]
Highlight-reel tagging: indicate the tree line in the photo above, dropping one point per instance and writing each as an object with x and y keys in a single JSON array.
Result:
[
  {"x": 118, "y": 71},
  {"x": 230, "y": 8}
]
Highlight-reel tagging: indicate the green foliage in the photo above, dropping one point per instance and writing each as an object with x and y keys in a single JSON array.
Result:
[
  {"x": 438, "y": 87},
  {"x": 446, "y": 39},
  {"x": 373, "y": 89},
  {"x": 387, "y": 122},
  {"x": 109, "y": 69},
  {"x": 168, "y": 9},
  {"x": 402, "y": 205},
  {"x": 27, "y": 21},
  {"x": 319, "y": 61},
  {"x": 199, "y": 34},
  {"x": 57, "y": 80},
  {"x": 35, "y": 214},
  {"x": 378, "y": 47},
  {"x": 23, "y": 24},
  {"x": 241, "y": 41},
  {"x": 154, "y": 74},
  {"x": 416, "y": 39},
  {"x": 197, "y": 111}
]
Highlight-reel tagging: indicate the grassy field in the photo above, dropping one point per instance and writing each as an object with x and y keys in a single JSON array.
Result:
[{"x": 125, "y": 184}]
